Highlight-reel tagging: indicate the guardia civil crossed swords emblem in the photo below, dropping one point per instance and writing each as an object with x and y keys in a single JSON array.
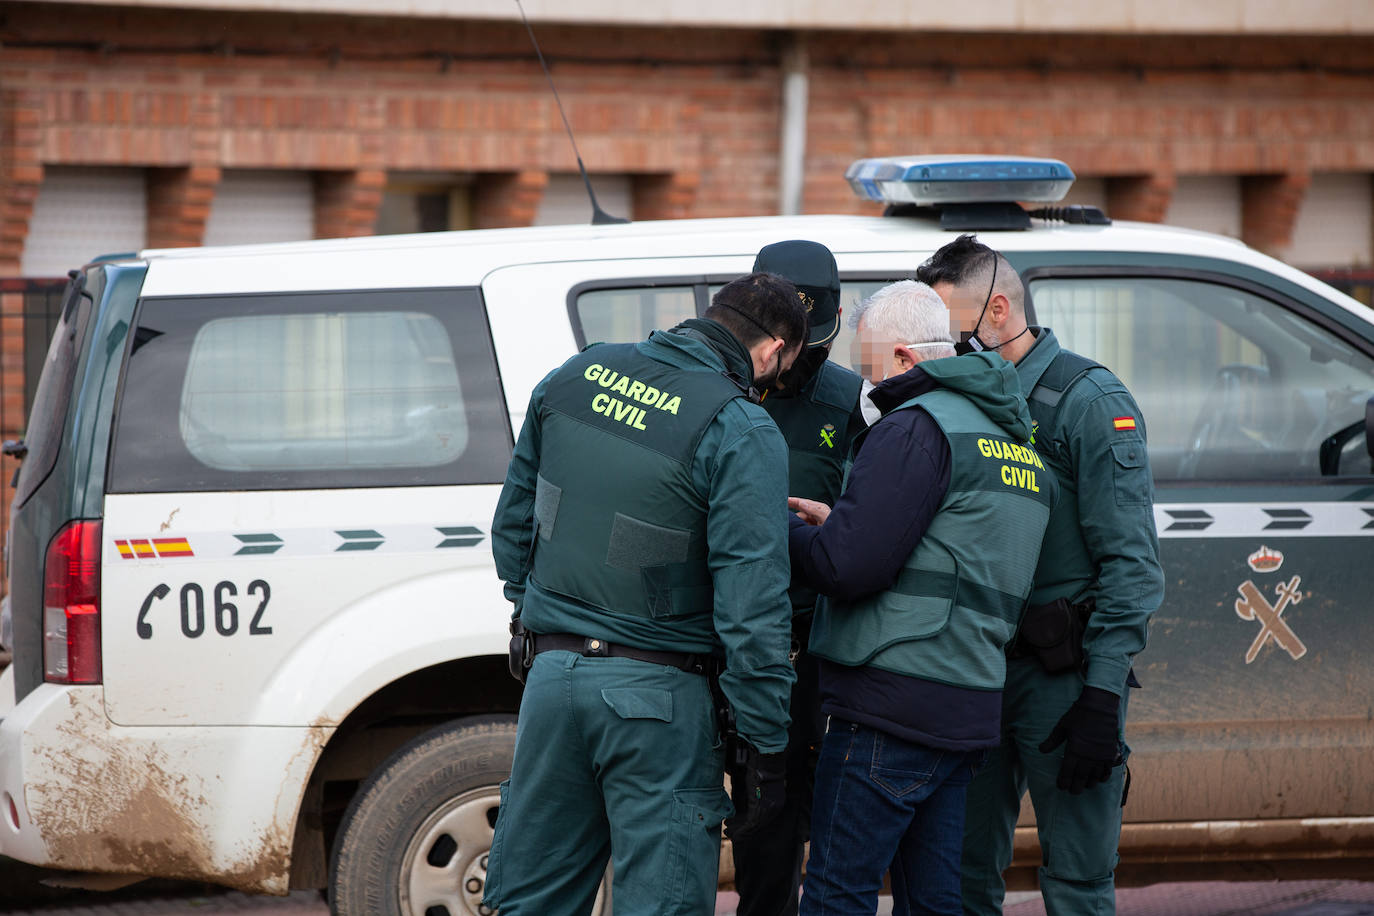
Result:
[{"x": 1252, "y": 605}]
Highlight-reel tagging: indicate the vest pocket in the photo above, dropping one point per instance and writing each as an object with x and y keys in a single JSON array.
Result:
[
  {"x": 915, "y": 616},
  {"x": 919, "y": 603}
]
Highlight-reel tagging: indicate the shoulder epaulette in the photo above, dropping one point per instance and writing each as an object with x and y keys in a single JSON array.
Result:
[{"x": 837, "y": 387}]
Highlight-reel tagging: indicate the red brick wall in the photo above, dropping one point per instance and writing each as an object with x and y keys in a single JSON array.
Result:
[
  {"x": 21, "y": 169},
  {"x": 346, "y": 203},
  {"x": 179, "y": 204},
  {"x": 693, "y": 115},
  {"x": 341, "y": 95},
  {"x": 501, "y": 201},
  {"x": 1269, "y": 209}
]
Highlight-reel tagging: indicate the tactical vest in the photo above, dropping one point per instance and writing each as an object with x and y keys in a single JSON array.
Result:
[
  {"x": 959, "y": 596},
  {"x": 815, "y": 424},
  {"x": 1066, "y": 568},
  {"x": 620, "y": 523}
]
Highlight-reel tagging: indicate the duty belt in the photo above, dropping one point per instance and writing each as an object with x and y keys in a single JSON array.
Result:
[{"x": 592, "y": 647}]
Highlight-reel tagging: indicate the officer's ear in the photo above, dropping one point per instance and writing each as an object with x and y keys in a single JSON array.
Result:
[
  {"x": 999, "y": 309},
  {"x": 903, "y": 357},
  {"x": 764, "y": 353}
]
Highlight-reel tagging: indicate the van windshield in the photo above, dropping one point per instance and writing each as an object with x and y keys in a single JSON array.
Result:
[{"x": 48, "y": 417}]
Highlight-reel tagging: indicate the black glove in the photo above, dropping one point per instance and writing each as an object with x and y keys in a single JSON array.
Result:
[
  {"x": 1090, "y": 727},
  {"x": 758, "y": 787}
]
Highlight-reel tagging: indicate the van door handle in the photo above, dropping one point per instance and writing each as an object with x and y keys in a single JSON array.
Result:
[{"x": 15, "y": 448}]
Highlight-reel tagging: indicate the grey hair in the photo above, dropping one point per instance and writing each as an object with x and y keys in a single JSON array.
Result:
[
  {"x": 857, "y": 312},
  {"x": 909, "y": 312}
]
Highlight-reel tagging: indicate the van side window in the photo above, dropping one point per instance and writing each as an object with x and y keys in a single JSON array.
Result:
[
  {"x": 628, "y": 315},
  {"x": 48, "y": 415},
  {"x": 1233, "y": 386},
  {"x": 371, "y": 389}
]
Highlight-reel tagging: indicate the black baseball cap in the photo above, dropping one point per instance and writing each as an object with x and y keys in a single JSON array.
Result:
[{"x": 811, "y": 268}]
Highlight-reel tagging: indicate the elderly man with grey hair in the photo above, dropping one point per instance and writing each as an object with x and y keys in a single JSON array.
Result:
[
  {"x": 926, "y": 560},
  {"x": 896, "y": 321}
]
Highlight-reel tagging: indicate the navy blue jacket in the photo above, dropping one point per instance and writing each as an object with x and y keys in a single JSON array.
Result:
[{"x": 899, "y": 477}]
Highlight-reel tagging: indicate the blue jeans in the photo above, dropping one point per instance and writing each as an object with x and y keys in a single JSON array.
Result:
[{"x": 884, "y": 803}]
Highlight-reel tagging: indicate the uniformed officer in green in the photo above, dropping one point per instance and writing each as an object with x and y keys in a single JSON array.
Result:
[
  {"x": 1096, "y": 585},
  {"x": 816, "y": 406},
  {"x": 641, "y": 534}
]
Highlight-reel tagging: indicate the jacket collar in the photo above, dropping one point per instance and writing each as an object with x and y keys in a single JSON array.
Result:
[
  {"x": 1034, "y": 363},
  {"x": 899, "y": 389},
  {"x": 710, "y": 344},
  {"x": 739, "y": 367}
]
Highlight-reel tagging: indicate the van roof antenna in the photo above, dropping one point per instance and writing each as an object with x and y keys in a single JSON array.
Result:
[{"x": 599, "y": 216}]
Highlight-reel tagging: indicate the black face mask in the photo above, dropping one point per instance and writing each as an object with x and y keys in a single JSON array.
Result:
[
  {"x": 764, "y": 382},
  {"x": 969, "y": 341},
  {"x": 804, "y": 368}
]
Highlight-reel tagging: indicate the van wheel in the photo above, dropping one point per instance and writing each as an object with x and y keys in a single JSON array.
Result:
[{"x": 414, "y": 840}]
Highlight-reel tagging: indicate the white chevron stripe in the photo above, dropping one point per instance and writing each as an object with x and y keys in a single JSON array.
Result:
[{"x": 1247, "y": 520}]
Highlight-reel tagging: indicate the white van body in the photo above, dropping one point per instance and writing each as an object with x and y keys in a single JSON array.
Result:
[{"x": 235, "y": 683}]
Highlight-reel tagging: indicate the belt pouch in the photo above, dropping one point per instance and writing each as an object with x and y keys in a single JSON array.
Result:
[{"x": 1054, "y": 633}]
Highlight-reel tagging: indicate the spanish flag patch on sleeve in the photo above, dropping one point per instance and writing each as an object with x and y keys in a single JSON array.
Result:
[{"x": 1124, "y": 422}]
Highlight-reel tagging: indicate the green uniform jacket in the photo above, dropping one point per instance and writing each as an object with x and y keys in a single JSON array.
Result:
[
  {"x": 737, "y": 472},
  {"x": 819, "y": 424},
  {"x": 1101, "y": 541},
  {"x": 959, "y": 597}
]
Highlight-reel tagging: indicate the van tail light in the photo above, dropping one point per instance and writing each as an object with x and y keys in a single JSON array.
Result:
[{"x": 71, "y": 605}]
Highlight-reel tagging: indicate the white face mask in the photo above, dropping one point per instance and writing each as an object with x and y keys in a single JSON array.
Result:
[{"x": 870, "y": 411}]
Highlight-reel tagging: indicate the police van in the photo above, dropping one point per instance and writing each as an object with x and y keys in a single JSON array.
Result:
[{"x": 258, "y": 638}]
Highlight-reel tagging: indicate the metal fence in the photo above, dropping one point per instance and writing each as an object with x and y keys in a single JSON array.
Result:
[
  {"x": 40, "y": 309},
  {"x": 29, "y": 313}
]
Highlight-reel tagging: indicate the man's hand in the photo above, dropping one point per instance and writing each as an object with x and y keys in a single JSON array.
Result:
[
  {"x": 1090, "y": 727},
  {"x": 809, "y": 510},
  {"x": 758, "y": 789}
]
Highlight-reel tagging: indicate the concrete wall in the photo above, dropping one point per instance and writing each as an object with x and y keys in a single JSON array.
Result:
[{"x": 1284, "y": 17}]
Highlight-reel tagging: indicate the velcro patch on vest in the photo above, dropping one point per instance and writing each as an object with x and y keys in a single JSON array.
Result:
[
  {"x": 636, "y": 544},
  {"x": 547, "y": 496}
]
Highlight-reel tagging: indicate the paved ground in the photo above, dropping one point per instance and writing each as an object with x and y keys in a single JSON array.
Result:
[{"x": 1216, "y": 898}]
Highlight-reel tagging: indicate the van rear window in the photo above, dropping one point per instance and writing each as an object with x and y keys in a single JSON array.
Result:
[{"x": 304, "y": 391}]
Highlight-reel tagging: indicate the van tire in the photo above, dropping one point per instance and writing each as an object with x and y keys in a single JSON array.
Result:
[{"x": 403, "y": 818}]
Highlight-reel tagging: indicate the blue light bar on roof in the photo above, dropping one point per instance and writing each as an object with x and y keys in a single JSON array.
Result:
[{"x": 934, "y": 180}]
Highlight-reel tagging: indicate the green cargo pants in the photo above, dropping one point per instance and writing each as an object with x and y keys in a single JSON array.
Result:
[
  {"x": 1078, "y": 833},
  {"x": 614, "y": 758}
]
